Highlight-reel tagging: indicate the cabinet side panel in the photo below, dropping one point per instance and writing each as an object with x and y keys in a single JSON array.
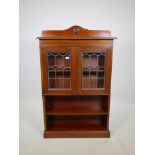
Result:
[
  {"x": 108, "y": 102},
  {"x": 41, "y": 67},
  {"x": 44, "y": 112}
]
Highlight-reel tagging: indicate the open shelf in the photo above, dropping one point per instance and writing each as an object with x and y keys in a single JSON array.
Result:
[
  {"x": 76, "y": 105},
  {"x": 70, "y": 111},
  {"x": 77, "y": 123}
]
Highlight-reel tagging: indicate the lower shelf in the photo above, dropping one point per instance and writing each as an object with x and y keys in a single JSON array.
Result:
[
  {"x": 76, "y": 116},
  {"x": 77, "y": 126},
  {"x": 80, "y": 123},
  {"x": 77, "y": 134}
]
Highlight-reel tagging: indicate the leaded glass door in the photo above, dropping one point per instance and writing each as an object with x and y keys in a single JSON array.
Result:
[
  {"x": 59, "y": 73},
  {"x": 93, "y": 76}
]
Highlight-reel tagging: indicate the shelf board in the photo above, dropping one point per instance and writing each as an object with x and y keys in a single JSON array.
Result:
[
  {"x": 77, "y": 134},
  {"x": 72, "y": 111},
  {"x": 76, "y": 123}
]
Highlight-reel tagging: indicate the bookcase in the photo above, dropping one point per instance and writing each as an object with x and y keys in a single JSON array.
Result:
[{"x": 76, "y": 66}]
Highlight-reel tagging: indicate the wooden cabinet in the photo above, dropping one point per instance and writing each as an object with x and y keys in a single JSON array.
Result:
[{"x": 76, "y": 66}]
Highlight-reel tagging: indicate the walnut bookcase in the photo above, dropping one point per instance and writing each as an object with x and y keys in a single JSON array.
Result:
[{"x": 76, "y": 66}]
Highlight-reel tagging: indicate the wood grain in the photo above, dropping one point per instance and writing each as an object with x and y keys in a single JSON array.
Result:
[{"x": 76, "y": 111}]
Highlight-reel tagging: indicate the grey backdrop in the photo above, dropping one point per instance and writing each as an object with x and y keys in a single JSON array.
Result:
[{"x": 37, "y": 15}]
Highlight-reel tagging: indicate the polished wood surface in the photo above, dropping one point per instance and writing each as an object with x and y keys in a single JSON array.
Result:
[
  {"x": 76, "y": 31},
  {"x": 77, "y": 134},
  {"x": 76, "y": 108},
  {"x": 76, "y": 123},
  {"x": 76, "y": 105}
]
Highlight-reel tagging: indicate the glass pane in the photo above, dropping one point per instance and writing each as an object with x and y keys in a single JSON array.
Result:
[
  {"x": 101, "y": 59},
  {"x": 100, "y": 83},
  {"x": 93, "y": 83},
  {"x": 59, "y": 70},
  {"x": 67, "y": 60},
  {"x": 52, "y": 83},
  {"x": 93, "y": 64},
  {"x": 67, "y": 83},
  {"x": 93, "y": 60},
  {"x": 85, "y": 83}
]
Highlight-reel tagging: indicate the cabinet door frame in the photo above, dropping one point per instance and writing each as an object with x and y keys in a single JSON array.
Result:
[
  {"x": 107, "y": 73},
  {"x": 56, "y": 49}
]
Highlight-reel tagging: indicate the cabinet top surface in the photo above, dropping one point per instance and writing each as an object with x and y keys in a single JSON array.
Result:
[{"x": 75, "y": 33}]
